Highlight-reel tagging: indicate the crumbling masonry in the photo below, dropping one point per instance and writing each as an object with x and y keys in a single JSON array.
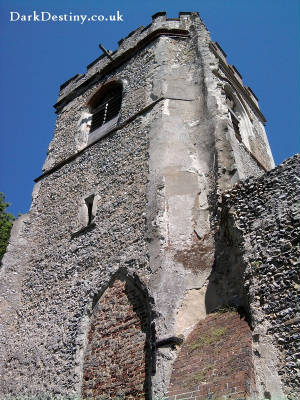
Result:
[{"x": 158, "y": 259}]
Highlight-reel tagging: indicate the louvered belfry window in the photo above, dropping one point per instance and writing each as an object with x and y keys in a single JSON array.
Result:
[{"x": 106, "y": 107}]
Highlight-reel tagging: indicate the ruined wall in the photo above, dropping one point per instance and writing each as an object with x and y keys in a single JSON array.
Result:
[
  {"x": 256, "y": 271},
  {"x": 257, "y": 268}
]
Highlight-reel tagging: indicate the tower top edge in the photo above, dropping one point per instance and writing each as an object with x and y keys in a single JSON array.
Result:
[{"x": 159, "y": 21}]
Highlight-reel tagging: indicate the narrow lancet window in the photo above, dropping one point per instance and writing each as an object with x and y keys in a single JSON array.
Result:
[
  {"x": 89, "y": 201},
  {"x": 234, "y": 116}
]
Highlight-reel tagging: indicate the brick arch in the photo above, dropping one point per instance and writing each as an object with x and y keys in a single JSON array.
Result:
[{"x": 117, "y": 360}]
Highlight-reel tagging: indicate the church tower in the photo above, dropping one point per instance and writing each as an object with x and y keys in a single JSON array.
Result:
[{"x": 108, "y": 275}]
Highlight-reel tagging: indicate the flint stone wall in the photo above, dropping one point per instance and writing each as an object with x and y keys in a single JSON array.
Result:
[
  {"x": 62, "y": 272},
  {"x": 258, "y": 268}
]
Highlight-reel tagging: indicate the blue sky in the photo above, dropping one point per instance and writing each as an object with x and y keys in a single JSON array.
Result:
[{"x": 260, "y": 37}]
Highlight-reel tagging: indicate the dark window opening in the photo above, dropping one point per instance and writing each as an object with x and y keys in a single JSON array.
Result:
[
  {"x": 230, "y": 102},
  {"x": 106, "y": 107},
  {"x": 235, "y": 123},
  {"x": 89, "y": 204}
]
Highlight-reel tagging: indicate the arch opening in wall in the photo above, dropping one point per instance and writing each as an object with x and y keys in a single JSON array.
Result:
[
  {"x": 105, "y": 106},
  {"x": 118, "y": 355}
]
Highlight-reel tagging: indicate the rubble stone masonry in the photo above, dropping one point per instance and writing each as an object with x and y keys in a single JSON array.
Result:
[{"x": 261, "y": 215}]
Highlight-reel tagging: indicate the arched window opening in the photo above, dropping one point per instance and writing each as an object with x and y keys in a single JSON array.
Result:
[
  {"x": 105, "y": 106},
  {"x": 239, "y": 116},
  {"x": 230, "y": 102},
  {"x": 234, "y": 115}
]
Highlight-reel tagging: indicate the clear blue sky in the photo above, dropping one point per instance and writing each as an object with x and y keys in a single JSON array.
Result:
[{"x": 260, "y": 37}]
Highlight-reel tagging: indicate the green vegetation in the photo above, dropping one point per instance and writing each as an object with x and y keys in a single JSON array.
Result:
[
  {"x": 256, "y": 265},
  {"x": 214, "y": 336},
  {"x": 226, "y": 309},
  {"x": 195, "y": 379},
  {"x": 6, "y": 221}
]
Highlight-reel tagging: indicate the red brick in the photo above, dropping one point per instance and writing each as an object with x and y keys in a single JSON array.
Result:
[
  {"x": 223, "y": 363},
  {"x": 119, "y": 318}
]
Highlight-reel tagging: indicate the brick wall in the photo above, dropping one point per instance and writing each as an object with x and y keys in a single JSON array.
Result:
[
  {"x": 117, "y": 352},
  {"x": 215, "y": 361}
]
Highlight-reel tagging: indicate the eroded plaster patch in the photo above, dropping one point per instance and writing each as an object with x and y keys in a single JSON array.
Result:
[{"x": 191, "y": 311}]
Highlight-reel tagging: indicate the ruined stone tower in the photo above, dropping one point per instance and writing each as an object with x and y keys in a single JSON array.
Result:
[{"x": 129, "y": 276}]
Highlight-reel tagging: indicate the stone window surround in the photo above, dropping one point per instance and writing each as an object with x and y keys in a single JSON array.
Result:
[{"x": 87, "y": 213}]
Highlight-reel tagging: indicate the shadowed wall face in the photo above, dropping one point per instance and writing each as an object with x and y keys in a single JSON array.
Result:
[{"x": 117, "y": 354}]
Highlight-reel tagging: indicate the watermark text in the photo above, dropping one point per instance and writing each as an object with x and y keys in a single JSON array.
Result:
[{"x": 47, "y": 16}]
